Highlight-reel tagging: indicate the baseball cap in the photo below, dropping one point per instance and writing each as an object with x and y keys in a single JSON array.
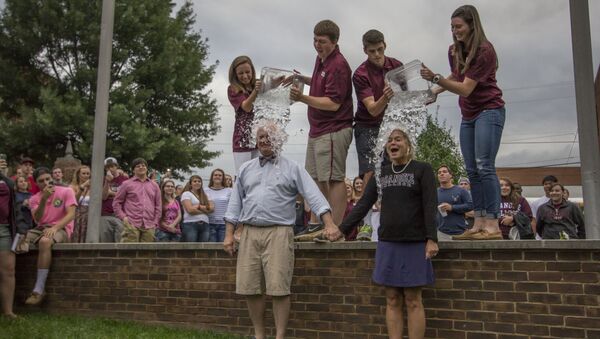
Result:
[
  {"x": 110, "y": 161},
  {"x": 27, "y": 160},
  {"x": 464, "y": 179}
]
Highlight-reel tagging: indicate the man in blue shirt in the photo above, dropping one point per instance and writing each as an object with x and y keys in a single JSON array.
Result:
[
  {"x": 263, "y": 200},
  {"x": 453, "y": 203}
]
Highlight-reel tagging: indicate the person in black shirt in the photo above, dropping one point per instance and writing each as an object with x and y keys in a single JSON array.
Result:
[{"x": 407, "y": 234}]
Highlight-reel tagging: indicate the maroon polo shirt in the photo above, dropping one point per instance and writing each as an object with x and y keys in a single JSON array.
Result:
[
  {"x": 369, "y": 80},
  {"x": 331, "y": 78},
  {"x": 486, "y": 94},
  {"x": 107, "y": 205},
  {"x": 243, "y": 121},
  {"x": 4, "y": 203}
]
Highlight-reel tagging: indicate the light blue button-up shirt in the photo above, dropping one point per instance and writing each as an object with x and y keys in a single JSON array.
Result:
[{"x": 266, "y": 196}]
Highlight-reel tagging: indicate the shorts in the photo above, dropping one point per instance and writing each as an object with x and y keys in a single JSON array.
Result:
[
  {"x": 241, "y": 157},
  {"x": 326, "y": 155},
  {"x": 34, "y": 235},
  {"x": 134, "y": 234},
  {"x": 366, "y": 140},
  {"x": 265, "y": 261},
  {"x": 5, "y": 238}
]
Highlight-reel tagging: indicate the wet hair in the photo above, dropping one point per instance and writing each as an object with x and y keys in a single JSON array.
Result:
[
  {"x": 463, "y": 57},
  {"x": 329, "y": 29},
  {"x": 411, "y": 149},
  {"x": 372, "y": 37},
  {"x": 211, "y": 183},
  {"x": 550, "y": 178},
  {"x": 233, "y": 80},
  {"x": 513, "y": 196}
]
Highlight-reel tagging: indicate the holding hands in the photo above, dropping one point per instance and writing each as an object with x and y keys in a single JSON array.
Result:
[{"x": 431, "y": 249}]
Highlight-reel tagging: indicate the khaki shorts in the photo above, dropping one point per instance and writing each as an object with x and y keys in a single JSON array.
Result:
[
  {"x": 5, "y": 238},
  {"x": 326, "y": 155},
  {"x": 265, "y": 261},
  {"x": 134, "y": 234},
  {"x": 34, "y": 235}
]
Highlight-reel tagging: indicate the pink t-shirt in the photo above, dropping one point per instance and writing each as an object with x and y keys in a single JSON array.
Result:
[
  {"x": 243, "y": 121},
  {"x": 333, "y": 79},
  {"x": 486, "y": 94},
  {"x": 56, "y": 207},
  {"x": 169, "y": 215},
  {"x": 369, "y": 80}
]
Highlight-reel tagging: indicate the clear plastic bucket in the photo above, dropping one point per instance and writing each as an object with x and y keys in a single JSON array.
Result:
[
  {"x": 407, "y": 83},
  {"x": 274, "y": 78}
]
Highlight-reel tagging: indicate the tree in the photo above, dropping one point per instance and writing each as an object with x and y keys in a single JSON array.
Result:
[
  {"x": 159, "y": 106},
  {"x": 436, "y": 146}
]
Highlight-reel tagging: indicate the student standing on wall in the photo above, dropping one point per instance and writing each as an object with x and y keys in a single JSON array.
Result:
[
  {"x": 242, "y": 91},
  {"x": 330, "y": 117},
  {"x": 473, "y": 63},
  {"x": 373, "y": 95}
]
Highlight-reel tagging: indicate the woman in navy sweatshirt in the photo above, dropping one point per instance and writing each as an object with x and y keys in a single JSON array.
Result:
[{"x": 407, "y": 233}]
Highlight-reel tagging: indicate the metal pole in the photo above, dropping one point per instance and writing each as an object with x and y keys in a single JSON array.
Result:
[
  {"x": 587, "y": 123},
  {"x": 101, "y": 119}
]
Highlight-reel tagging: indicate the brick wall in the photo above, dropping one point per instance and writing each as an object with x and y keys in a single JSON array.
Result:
[{"x": 526, "y": 289}]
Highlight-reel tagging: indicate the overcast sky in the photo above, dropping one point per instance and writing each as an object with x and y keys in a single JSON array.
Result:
[{"x": 532, "y": 40}]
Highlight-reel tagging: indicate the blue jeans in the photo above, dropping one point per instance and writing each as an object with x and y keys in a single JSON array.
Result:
[
  {"x": 162, "y": 236},
  {"x": 479, "y": 143},
  {"x": 217, "y": 233},
  {"x": 197, "y": 231}
]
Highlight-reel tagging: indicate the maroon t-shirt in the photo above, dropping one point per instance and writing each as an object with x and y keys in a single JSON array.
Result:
[
  {"x": 506, "y": 208},
  {"x": 107, "y": 205},
  {"x": 33, "y": 187},
  {"x": 243, "y": 121},
  {"x": 369, "y": 81},
  {"x": 4, "y": 203},
  {"x": 486, "y": 94},
  {"x": 333, "y": 79}
]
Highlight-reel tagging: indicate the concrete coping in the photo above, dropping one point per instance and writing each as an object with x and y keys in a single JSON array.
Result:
[{"x": 351, "y": 245}]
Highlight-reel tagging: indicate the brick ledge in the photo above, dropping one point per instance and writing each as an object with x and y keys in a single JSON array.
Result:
[{"x": 465, "y": 245}]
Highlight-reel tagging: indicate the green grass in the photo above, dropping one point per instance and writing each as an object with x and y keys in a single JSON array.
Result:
[{"x": 41, "y": 325}]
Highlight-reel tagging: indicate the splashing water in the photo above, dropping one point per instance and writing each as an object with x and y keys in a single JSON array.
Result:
[
  {"x": 272, "y": 107},
  {"x": 406, "y": 111}
]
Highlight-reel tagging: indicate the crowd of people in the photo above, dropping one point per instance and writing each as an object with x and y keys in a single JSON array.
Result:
[{"x": 270, "y": 193}]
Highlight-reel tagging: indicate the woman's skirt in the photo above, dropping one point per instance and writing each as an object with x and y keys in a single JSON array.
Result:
[{"x": 402, "y": 264}]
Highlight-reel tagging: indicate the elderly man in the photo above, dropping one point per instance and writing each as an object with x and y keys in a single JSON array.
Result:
[{"x": 263, "y": 200}]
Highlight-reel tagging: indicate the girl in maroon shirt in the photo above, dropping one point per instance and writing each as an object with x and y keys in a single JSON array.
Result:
[
  {"x": 473, "y": 62},
  {"x": 511, "y": 203},
  {"x": 242, "y": 91}
]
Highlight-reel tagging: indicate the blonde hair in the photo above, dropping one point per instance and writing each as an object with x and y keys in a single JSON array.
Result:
[
  {"x": 233, "y": 80},
  {"x": 463, "y": 57},
  {"x": 75, "y": 181}
]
